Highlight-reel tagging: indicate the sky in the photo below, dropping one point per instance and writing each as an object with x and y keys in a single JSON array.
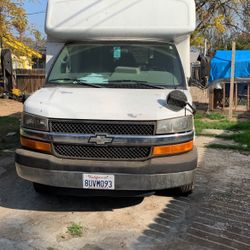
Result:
[{"x": 35, "y": 17}]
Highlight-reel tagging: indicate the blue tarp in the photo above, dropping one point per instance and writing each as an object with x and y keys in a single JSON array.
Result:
[{"x": 221, "y": 64}]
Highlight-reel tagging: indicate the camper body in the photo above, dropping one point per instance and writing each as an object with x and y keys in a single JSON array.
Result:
[{"x": 105, "y": 119}]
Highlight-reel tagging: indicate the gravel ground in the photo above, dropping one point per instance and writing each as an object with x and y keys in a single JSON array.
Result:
[{"x": 215, "y": 216}]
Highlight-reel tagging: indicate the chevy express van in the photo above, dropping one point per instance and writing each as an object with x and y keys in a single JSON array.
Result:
[{"x": 115, "y": 112}]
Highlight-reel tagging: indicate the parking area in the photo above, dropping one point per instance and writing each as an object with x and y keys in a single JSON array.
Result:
[{"x": 215, "y": 216}]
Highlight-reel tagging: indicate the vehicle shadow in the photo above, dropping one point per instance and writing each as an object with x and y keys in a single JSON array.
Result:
[
  {"x": 214, "y": 216},
  {"x": 170, "y": 225},
  {"x": 16, "y": 193}
]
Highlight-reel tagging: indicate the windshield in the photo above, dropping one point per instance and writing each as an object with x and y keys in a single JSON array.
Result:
[{"x": 118, "y": 65}]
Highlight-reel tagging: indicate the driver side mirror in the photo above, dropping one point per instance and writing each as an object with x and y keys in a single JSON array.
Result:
[{"x": 177, "y": 101}]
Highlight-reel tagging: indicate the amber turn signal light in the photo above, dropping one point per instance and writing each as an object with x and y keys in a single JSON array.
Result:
[
  {"x": 35, "y": 145},
  {"x": 173, "y": 149}
]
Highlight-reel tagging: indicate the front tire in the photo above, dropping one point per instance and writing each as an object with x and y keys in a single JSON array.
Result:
[{"x": 186, "y": 189}]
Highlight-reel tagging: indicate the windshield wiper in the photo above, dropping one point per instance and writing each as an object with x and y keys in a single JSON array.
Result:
[
  {"x": 142, "y": 83},
  {"x": 77, "y": 81}
]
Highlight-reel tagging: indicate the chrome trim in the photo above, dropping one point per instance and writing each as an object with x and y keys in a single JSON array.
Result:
[
  {"x": 118, "y": 140},
  {"x": 100, "y": 140}
]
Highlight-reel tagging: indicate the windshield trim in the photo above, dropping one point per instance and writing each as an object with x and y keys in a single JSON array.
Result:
[{"x": 183, "y": 86}]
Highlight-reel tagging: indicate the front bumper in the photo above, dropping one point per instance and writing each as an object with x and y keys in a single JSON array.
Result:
[{"x": 153, "y": 174}]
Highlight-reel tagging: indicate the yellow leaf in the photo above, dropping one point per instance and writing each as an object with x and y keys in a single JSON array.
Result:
[{"x": 20, "y": 47}]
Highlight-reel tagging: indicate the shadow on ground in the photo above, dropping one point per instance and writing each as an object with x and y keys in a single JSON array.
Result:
[
  {"x": 214, "y": 216},
  {"x": 16, "y": 193}
]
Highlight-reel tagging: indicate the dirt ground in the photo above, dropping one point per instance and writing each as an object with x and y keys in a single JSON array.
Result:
[
  {"x": 10, "y": 107},
  {"x": 215, "y": 216}
]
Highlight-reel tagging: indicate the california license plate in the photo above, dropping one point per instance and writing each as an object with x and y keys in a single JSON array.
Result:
[{"x": 98, "y": 181}]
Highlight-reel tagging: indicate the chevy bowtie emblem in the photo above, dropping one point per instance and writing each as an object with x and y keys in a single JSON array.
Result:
[{"x": 101, "y": 139}]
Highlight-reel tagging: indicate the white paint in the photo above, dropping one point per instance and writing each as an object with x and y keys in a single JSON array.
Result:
[
  {"x": 102, "y": 104},
  {"x": 183, "y": 47},
  {"x": 141, "y": 20},
  {"x": 116, "y": 20},
  {"x": 125, "y": 19}
]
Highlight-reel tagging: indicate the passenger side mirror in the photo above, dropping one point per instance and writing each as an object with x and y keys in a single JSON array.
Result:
[{"x": 177, "y": 100}]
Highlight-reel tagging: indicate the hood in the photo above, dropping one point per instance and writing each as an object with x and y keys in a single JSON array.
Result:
[{"x": 102, "y": 104}]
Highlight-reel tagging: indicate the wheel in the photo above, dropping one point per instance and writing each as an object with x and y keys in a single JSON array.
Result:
[
  {"x": 177, "y": 191},
  {"x": 186, "y": 189}
]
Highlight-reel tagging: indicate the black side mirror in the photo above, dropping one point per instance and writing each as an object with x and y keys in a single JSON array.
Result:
[{"x": 177, "y": 100}]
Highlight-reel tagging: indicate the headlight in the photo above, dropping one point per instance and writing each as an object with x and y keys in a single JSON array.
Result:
[
  {"x": 176, "y": 125},
  {"x": 34, "y": 122}
]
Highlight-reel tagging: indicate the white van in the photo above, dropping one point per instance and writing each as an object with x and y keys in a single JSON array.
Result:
[{"x": 115, "y": 112}]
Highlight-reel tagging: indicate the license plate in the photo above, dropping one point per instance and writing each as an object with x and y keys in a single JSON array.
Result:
[{"x": 98, "y": 181}]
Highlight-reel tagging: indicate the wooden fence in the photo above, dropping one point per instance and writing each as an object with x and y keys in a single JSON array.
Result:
[{"x": 29, "y": 80}]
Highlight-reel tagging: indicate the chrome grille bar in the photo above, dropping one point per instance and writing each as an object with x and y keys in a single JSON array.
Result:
[{"x": 118, "y": 140}]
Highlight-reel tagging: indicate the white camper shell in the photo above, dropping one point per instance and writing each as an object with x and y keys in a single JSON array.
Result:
[
  {"x": 86, "y": 20},
  {"x": 119, "y": 19},
  {"x": 105, "y": 123}
]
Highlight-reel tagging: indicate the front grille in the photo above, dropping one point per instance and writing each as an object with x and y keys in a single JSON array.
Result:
[
  {"x": 103, "y": 127},
  {"x": 101, "y": 152}
]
